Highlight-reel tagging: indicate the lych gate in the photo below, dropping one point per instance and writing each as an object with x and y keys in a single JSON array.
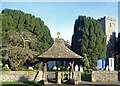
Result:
[{"x": 58, "y": 52}]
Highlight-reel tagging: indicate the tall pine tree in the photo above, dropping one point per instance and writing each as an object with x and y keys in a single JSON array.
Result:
[{"x": 89, "y": 39}]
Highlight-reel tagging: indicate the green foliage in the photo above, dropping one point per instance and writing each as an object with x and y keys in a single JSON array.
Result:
[
  {"x": 22, "y": 83},
  {"x": 24, "y": 37},
  {"x": 21, "y": 69},
  {"x": 88, "y": 38},
  {"x": 5, "y": 69},
  {"x": 61, "y": 67},
  {"x": 86, "y": 64},
  {"x": 85, "y": 76},
  {"x": 86, "y": 61},
  {"x": 39, "y": 66},
  {"x": 20, "y": 22}
]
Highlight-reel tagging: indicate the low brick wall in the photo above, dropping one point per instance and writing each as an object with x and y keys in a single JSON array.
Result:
[
  {"x": 104, "y": 76},
  {"x": 20, "y": 76}
]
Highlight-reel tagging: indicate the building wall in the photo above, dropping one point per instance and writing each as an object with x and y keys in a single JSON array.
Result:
[
  {"x": 109, "y": 27},
  {"x": 20, "y": 76},
  {"x": 104, "y": 76}
]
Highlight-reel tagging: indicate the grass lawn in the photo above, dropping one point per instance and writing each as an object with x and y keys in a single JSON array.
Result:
[{"x": 24, "y": 83}]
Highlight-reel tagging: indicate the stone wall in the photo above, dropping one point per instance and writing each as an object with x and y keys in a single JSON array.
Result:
[
  {"x": 20, "y": 76},
  {"x": 58, "y": 77},
  {"x": 77, "y": 77},
  {"x": 104, "y": 76}
]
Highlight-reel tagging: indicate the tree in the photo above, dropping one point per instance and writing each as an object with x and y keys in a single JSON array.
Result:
[
  {"x": 22, "y": 22},
  {"x": 89, "y": 39},
  {"x": 86, "y": 61},
  {"x": 24, "y": 37},
  {"x": 18, "y": 54}
]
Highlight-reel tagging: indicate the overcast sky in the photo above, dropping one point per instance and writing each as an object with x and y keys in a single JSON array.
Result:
[{"x": 60, "y": 16}]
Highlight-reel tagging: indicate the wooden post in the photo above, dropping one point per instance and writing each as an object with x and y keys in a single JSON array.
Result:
[
  {"x": 58, "y": 77},
  {"x": 45, "y": 72},
  {"x": 72, "y": 71}
]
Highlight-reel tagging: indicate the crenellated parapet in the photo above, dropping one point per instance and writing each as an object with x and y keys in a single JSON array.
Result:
[{"x": 106, "y": 18}]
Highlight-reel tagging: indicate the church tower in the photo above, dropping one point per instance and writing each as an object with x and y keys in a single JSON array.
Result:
[{"x": 109, "y": 26}]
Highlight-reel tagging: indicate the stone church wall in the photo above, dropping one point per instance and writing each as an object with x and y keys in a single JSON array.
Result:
[
  {"x": 20, "y": 76},
  {"x": 109, "y": 28}
]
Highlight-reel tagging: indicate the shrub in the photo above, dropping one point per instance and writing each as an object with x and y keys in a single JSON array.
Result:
[
  {"x": 87, "y": 70},
  {"x": 85, "y": 76},
  {"x": 54, "y": 68},
  {"x": 5, "y": 69},
  {"x": 95, "y": 68},
  {"x": 19, "y": 69}
]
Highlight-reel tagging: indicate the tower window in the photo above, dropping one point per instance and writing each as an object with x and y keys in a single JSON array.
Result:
[{"x": 110, "y": 24}]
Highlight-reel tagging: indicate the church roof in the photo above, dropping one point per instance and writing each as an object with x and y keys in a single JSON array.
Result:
[{"x": 59, "y": 50}]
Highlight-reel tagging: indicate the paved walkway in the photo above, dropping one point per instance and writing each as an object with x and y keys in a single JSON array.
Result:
[{"x": 85, "y": 83}]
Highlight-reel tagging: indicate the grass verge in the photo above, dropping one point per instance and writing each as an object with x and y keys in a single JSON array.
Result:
[{"x": 22, "y": 83}]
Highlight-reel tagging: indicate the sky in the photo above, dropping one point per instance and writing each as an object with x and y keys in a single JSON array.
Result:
[{"x": 61, "y": 16}]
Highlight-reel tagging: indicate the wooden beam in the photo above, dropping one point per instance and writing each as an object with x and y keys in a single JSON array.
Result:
[
  {"x": 44, "y": 70},
  {"x": 72, "y": 70}
]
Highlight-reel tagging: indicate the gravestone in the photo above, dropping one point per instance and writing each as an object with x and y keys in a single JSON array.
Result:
[
  {"x": 31, "y": 68},
  {"x": 100, "y": 64},
  {"x": 81, "y": 69},
  {"x": 107, "y": 67},
  {"x": 54, "y": 68},
  {"x": 111, "y": 64},
  {"x": 58, "y": 68},
  {"x": 7, "y": 66},
  {"x": 76, "y": 68}
]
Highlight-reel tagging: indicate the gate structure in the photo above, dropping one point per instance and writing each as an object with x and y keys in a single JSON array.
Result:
[{"x": 59, "y": 52}]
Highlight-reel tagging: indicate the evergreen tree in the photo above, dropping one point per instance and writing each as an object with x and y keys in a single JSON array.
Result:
[
  {"x": 88, "y": 38},
  {"x": 24, "y": 37}
]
